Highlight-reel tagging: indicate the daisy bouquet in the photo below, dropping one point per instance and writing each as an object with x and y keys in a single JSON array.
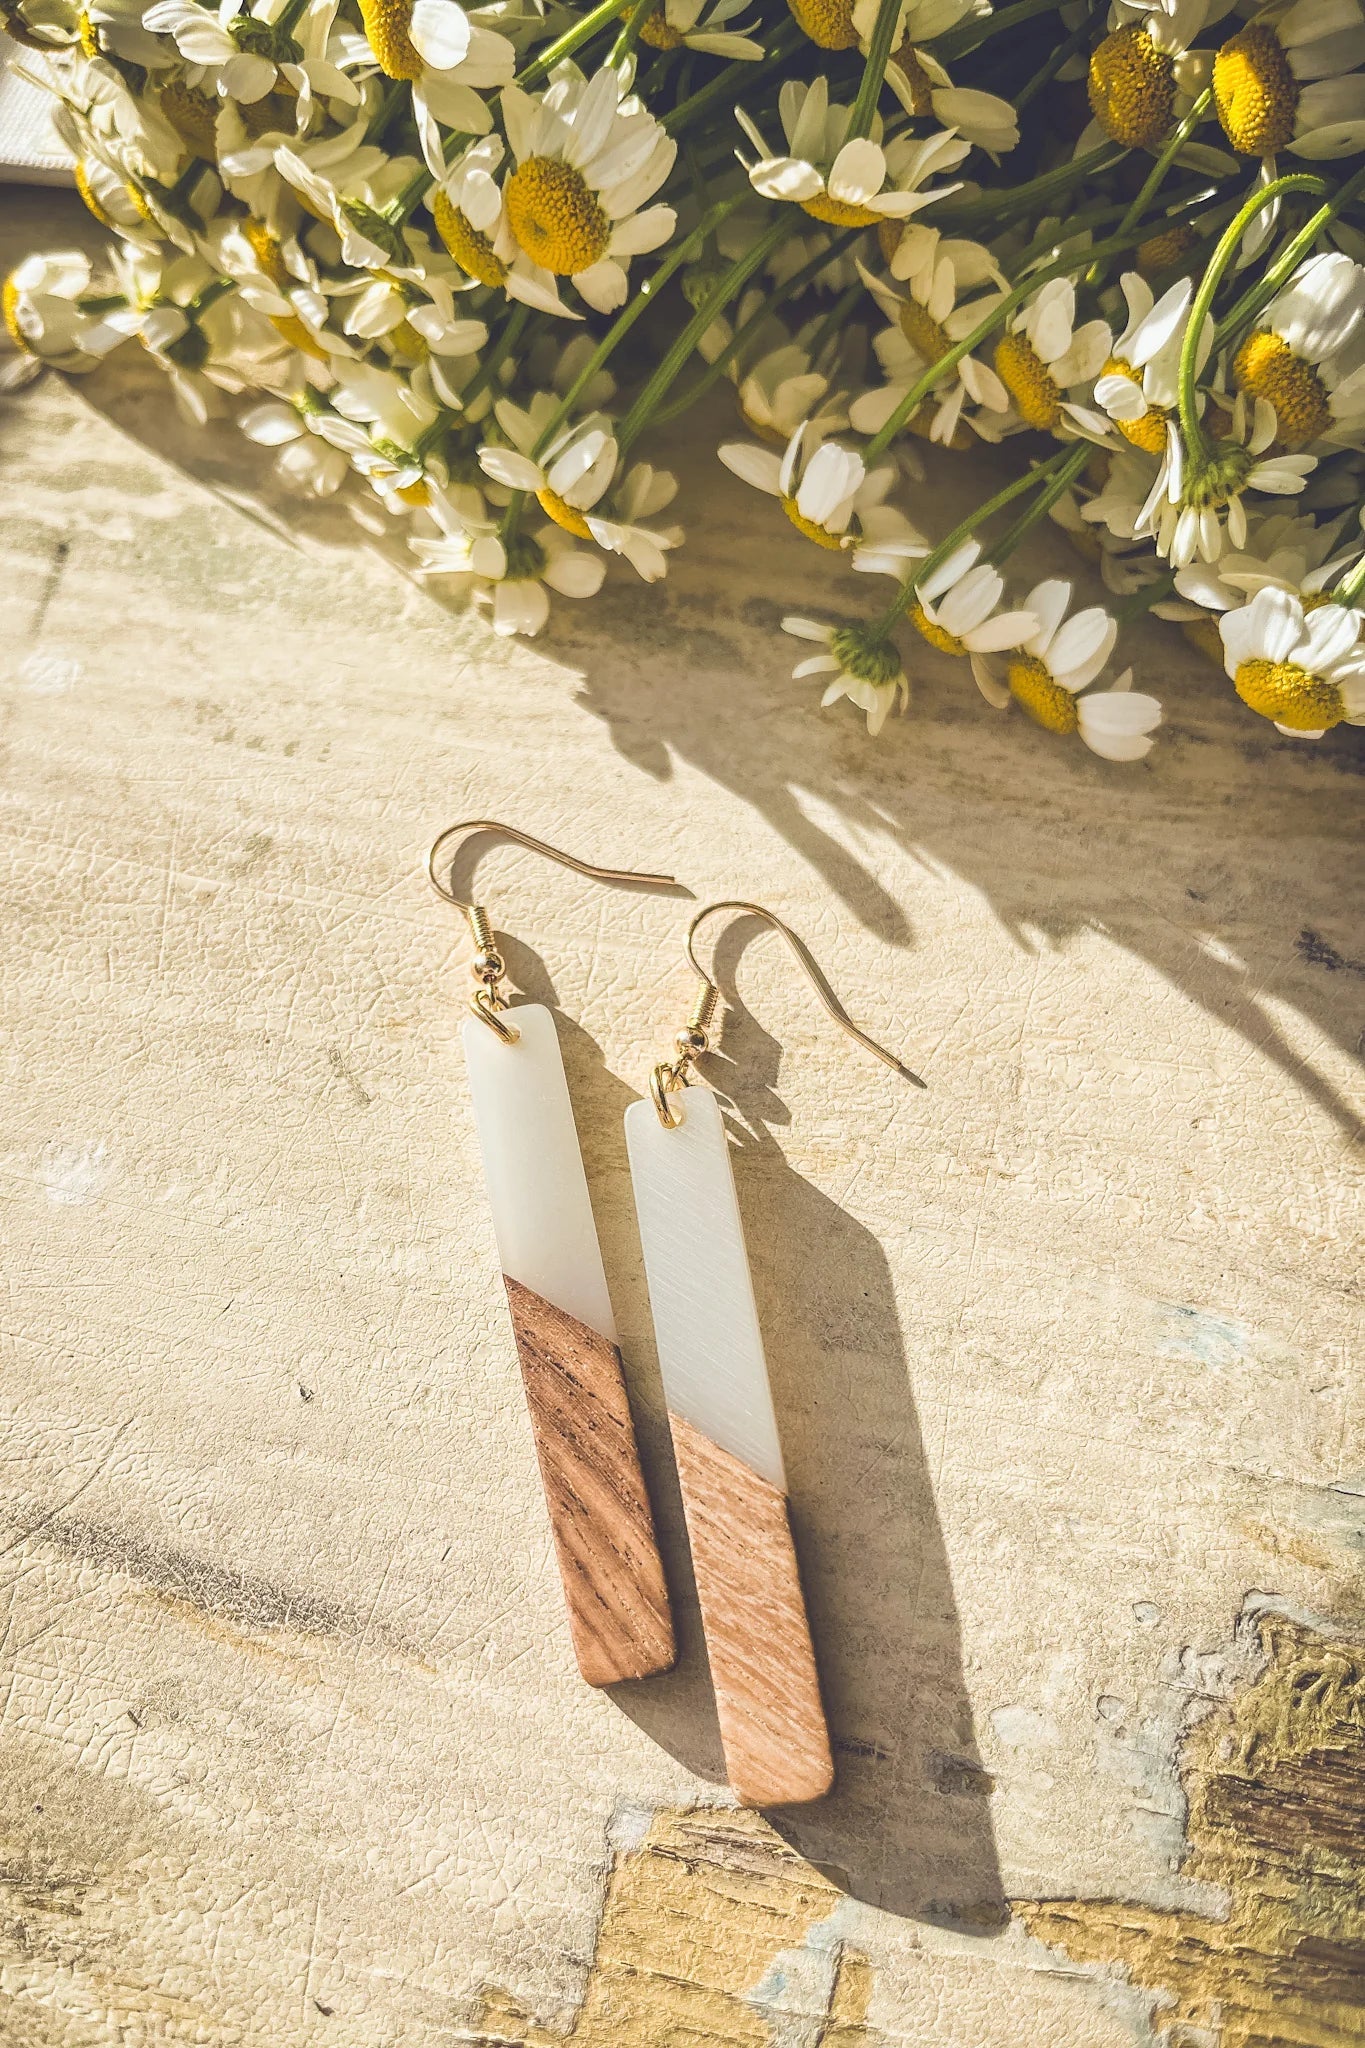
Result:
[{"x": 459, "y": 264}]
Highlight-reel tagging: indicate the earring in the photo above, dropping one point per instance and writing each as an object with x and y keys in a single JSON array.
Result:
[
  {"x": 561, "y": 1312},
  {"x": 720, "y": 1410}
]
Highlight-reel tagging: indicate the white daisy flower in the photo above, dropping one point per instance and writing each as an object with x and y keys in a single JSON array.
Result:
[
  {"x": 1303, "y": 355},
  {"x": 782, "y": 390},
  {"x": 43, "y": 315},
  {"x": 572, "y": 473},
  {"x": 1284, "y": 551},
  {"x": 864, "y": 669},
  {"x": 956, "y": 611},
  {"x": 243, "y": 56},
  {"x": 467, "y": 208},
  {"x": 1139, "y": 383},
  {"x": 642, "y": 494},
  {"x": 1303, "y": 670},
  {"x": 587, "y": 159},
  {"x": 1042, "y": 358},
  {"x": 929, "y": 324},
  {"x": 1193, "y": 514},
  {"x": 1137, "y": 72},
  {"x": 1059, "y": 660},
  {"x": 1290, "y": 80},
  {"x": 693, "y": 25},
  {"x": 852, "y": 184},
  {"x": 821, "y": 487},
  {"x": 306, "y": 464},
  {"x": 447, "y": 57}
]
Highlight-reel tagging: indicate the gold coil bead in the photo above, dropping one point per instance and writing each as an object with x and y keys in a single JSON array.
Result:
[{"x": 481, "y": 931}]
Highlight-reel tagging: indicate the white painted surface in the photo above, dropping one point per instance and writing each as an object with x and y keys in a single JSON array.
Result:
[
  {"x": 537, "y": 1189},
  {"x": 700, "y": 1288}
]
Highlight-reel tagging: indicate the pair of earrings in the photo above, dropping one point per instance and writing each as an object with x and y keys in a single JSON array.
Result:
[{"x": 725, "y": 1438}]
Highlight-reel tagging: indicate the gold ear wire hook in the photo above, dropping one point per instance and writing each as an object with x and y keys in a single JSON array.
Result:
[
  {"x": 489, "y": 967},
  {"x": 693, "y": 1040}
]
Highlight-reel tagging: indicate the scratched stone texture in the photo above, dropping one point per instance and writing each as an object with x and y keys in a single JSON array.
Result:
[{"x": 293, "y": 1749}]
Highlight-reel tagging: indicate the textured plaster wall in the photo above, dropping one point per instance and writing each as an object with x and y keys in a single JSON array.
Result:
[{"x": 292, "y": 1748}]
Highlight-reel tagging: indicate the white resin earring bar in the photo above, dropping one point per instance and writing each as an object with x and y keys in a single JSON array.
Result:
[
  {"x": 729, "y": 1459},
  {"x": 566, "y": 1340}
]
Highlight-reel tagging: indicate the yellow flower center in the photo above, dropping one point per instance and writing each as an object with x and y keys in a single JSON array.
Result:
[
  {"x": 556, "y": 219},
  {"x": 1132, "y": 88},
  {"x": 192, "y": 115},
  {"x": 267, "y": 252},
  {"x": 563, "y": 513},
  {"x": 924, "y": 334},
  {"x": 386, "y": 28},
  {"x": 273, "y": 114},
  {"x": 1266, "y": 367},
  {"x": 1046, "y": 702},
  {"x": 1255, "y": 92},
  {"x": 655, "y": 30},
  {"x": 1159, "y": 252},
  {"x": 298, "y": 335},
  {"x": 839, "y": 213},
  {"x": 889, "y": 233},
  {"x": 828, "y": 23},
  {"x": 137, "y": 199},
  {"x": 917, "y": 79},
  {"x": 1290, "y": 695},
  {"x": 87, "y": 35},
  {"x": 9, "y": 306},
  {"x": 418, "y": 494},
  {"x": 1150, "y": 431},
  {"x": 86, "y": 190},
  {"x": 821, "y": 535},
  {"x": 1025, "y": 376},
  {"x": 471, "y": 250},
  {"x": 937, "y": 636}
]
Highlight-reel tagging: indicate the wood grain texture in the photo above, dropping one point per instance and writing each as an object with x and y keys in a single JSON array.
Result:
[
  {"x": 772, "y": 1724},
  {"x": 599, "y": 1509}
]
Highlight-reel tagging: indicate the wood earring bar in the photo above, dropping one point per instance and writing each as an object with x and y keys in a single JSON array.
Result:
[
  {"x": 562, "y": 1319},
  {"x": 725, "y": 1438}
]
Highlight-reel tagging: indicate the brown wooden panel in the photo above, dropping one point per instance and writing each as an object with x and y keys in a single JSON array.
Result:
[
  {"x": 599, "y": 1510},
  {"x": 772, "y": 1724}
]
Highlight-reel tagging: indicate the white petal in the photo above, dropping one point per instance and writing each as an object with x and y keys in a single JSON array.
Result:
[
  {"x": 857, "y": 172},
  {"x": 1048, "y": 602},
  {"x": 505, "y": 466},
  {"x": 575, "y": 573},
  {"x": 757, "y": 466},
  {"x": 440, "y": 33}
]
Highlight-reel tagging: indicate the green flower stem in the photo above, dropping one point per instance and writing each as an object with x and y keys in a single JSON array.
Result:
[
  {"x": 105, "y": 302},
  {"x": 728, "y": 80},
  {"x": 492, "y": 362},
  {"x": 288, "y": 15},
  {"x": 905, "y": 596},
  {"x": 630, "y": 33},
  {"x": 972, "y": 34},
  {"x": 734, "y": 347},
  {"x": 836, "y": 317},
  {"x": 874, "y": 70},
  {"x": 411, "y": 195},
  {"x": 1046, "y": 72},
  {"x": 715, "y": 302},
  {"x": 583, "y": 30},
  {"x": 511, "y": 518},
  {"x": 209, "y": 295},
  {"x": 998, "y": 206},
  {"x": 1196, "y": 446},
  {"x": 918, "y": 392},
  {"x": 649, "y": 291},
  {"x": 1056, "y": 487},
  {"x": 1142, "y": 600},
  {"x": 1298, "y": 246},
  {"x": 1175, "y": 142},
  {"x": 395, "y": 96}
]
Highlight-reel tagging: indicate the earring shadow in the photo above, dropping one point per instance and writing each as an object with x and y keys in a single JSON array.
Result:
[{"x": 907, "y": 1826}]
